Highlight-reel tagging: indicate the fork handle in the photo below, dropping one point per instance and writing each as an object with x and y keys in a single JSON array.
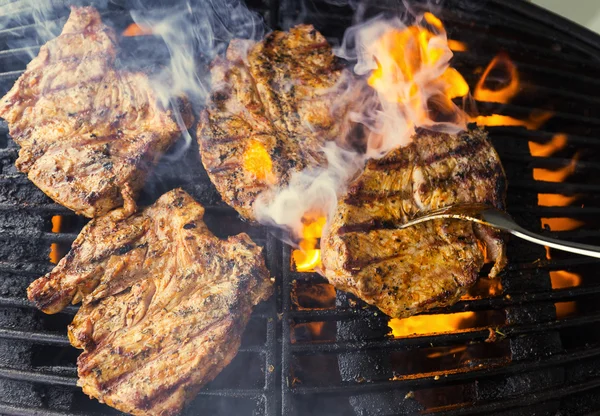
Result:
[{"x": 578, "y": 248}]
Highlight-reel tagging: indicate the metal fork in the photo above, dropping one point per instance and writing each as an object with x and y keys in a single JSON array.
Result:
[{"x": 484, "y": 214}]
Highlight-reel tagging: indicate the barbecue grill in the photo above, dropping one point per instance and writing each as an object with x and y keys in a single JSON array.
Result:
[{"x": 526, "y": 343}]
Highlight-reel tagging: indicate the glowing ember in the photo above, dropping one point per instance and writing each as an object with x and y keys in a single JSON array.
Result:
[
  {"x": 412, "y": 69},
  {"x": 558, "y": 142},
  {"x": 258, "y": 162},
  {"x": 501, "y": 63},
  {"x": 429, "y": 324},
  {"x": 450, "y": 351},
  {"x": 136, "y": 30},
  {"x": 308, "y": 257},
  {"x": 54, "y": 251},
  {"x": 562, "y": 279},
  {"x": 564, "y": 309}
]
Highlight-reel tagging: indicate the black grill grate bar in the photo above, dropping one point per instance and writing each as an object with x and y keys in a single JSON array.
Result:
[
  {"x": 532, "y": 70},
  {"x": 44, "y": 208},
  {"x": 31, "y": 269},
  {"x": 35, "y": 336},
  {"x": 465, "y": 19},
  {"x": 7, "y": 409},
  {"x": 425, "y": 379},
  {"x": 534, "y": 21},
  {"x": 71, "y": 381},
  {"x": 573, "y": 34},
  {"x": 496, "y": 302},
  {"x": 56, "y": 209},
  {"x": 565, "y": 188},
  {"x": 520, "y": 133},
  {"x": 25, "y": 303},
  {"x": 40, "y": 236},
  {"x": 68, "y": 238},
  {"x": 547, "y": 162},
  {"x": 568, "y": 211},
  {"x": 38, "y": 377},
  {"x": 62, "y": 340},
  {"x": 527, "y": 400},
  {"x": 517, "y": 110},
  {"x": 475, "y": 335}
]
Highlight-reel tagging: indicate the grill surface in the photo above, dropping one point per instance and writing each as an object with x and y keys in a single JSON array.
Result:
[{"x": 546, "y": 356}]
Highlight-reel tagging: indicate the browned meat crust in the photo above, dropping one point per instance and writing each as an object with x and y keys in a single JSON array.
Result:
[
  {"x": 272, "y": 110},
  {"x": 404, "y": 272},
  {"x": 165, "y": 303},
  {"x": 85, "y": 128}
]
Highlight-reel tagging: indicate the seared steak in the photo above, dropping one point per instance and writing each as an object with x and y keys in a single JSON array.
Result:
[
  {"x": 165, "y": 303},
  {"x": 404, "y": 272},
  {"x": 86, "y": 129},
  {"x": 269, "y": 113}
]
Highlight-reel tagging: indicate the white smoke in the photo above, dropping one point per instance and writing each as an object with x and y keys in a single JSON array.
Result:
[{"x": 388, "y": 117}]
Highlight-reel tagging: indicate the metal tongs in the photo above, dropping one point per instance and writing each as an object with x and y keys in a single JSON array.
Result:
[{"x": 484, "y": 214}]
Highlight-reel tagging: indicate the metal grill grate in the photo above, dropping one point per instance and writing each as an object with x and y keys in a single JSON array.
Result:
[{"x": 538, "y": 361}]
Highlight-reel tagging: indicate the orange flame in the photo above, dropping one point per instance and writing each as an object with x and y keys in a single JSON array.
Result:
[
  {"x": 555, "y": 200},
  {"x": 457, "y": 45},
  {"x": 559, "y": 175},
  {"x": 54, "y": 251},
  {"x": 502, "y": 95},
  {"x": 483, "y": 92},
  {"x": 562, "y": 279},
  {"x": 561, "y": 223},
  {"x": 428, "y": 324},
  {"x": 308, "y": 258},
  {"x": 258, "y": 162},
  {"x": 136, "y": 30},
  {"x": 564, "y": 309},
  {"x": 533, "y": 122},
  {"x": 558, "y": 142},
  {"x": 407, "y": 59}
]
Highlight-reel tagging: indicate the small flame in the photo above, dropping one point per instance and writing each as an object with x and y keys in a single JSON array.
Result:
[
  {"x": 429, "y": 324},
  {"x": 137, "y": 30},
  {"x": 258, "y": 162},
  {"x": 533, "y": 122},
  {"x": 412, "y": 69},
  {"x": 504, "y": 94},
  {"x": 561, "y": 223},
  {"x": 555, "y": 200},
  {"x": 457, "y": 45},
  {"x": 558, "y": 142},
  {"x": 308, "y": 257},
  {"x": 562, "y": 279},
  {"x": 558, "y": 175},
  {"x": 54, "y": 249}
]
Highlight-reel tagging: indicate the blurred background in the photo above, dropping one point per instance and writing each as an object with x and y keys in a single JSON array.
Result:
[{"x": 584, "y": 12}]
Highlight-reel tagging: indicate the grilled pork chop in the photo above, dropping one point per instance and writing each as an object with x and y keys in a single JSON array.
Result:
[
  {"x": 404, "y": 272},
  {"x": 86, "y": 129},
  {"x": 165, "y": 303},
  {"x": 269, "y": 113}
]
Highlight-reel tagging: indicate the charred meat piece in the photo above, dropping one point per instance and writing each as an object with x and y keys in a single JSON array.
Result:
[
  {"x": 86, "y": 129},
  {"x": 165, "y": 303},
  {"x": 270, "y": 112},
  {"x": 404, "y": 272}
]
